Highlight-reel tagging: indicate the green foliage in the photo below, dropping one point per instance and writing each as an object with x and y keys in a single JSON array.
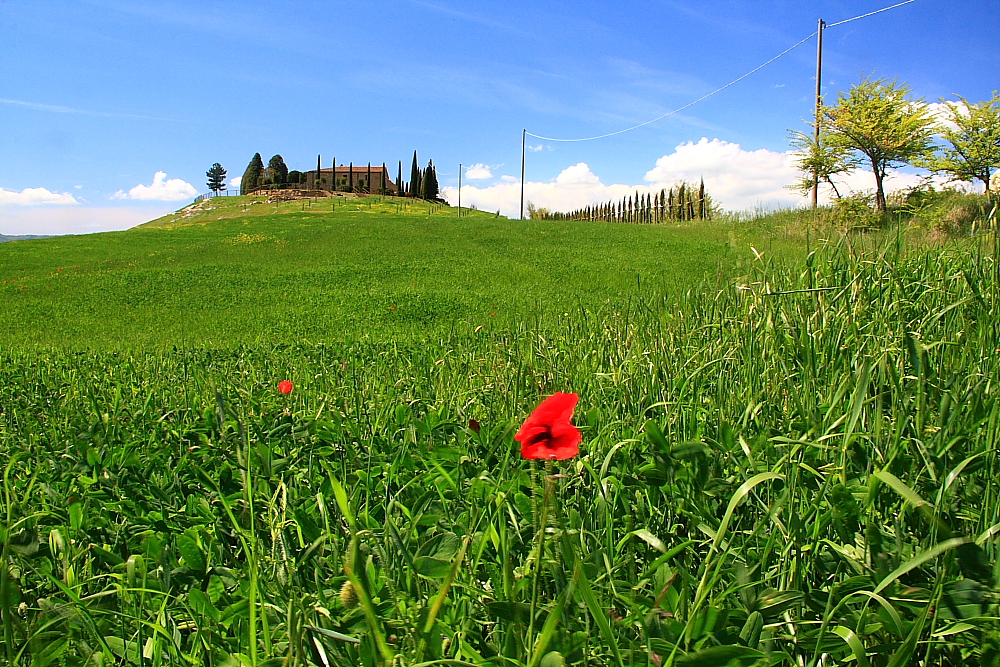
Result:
[
  {"x": 819, "y": 159},
  {"x": 429, "y": 182},
  {"x": 973, "y": 149},
  {"x": 794, "y": 463},
  {"x": 878, "y": 120},
  {"x": 253, "y": 175},
  {"x": 296, "y": 177},
  {"x": 277, "y": 170},
  {"x": 216, "y": 177},
  {"x": 946, "y": 212}
]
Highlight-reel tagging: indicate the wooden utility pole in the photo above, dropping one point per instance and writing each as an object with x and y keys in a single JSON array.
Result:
[
  {"x": 460, "y": 190},
  {"x": 819, "y": 107},
  {"x": 524, "y": 133}
]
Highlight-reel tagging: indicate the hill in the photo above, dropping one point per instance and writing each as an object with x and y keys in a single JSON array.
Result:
[
  {"x": 230, "y": 271},
  {"x": 753, "y": 449},
  {"x": 24, "y": 237}
]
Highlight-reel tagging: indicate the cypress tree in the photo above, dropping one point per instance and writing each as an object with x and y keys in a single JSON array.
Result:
[
  {"x": 414, "y": 177},
  {"x": 702, "y": 207},
  {"x": 333, "y": 174},
  {"x": 680, "y": 201},
  {"x": 278, "y": 170},
  {"x": 368, "y": 182},
  {"x": 252, "y": 175},
  {"x": 429, "y": 182},
  {"x": 350, "y": 176},
  {"x": 399, "y": 179}
]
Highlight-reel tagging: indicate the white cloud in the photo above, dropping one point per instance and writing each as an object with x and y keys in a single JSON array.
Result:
[
  {"x": 535, "y": 149},
  {"x": 160, "y": 190},
  {"x": 941, "y": 113},
  {"x": 77, "y": 186},
  {"x": 35, "y": 197},
  {"x": 478, "y": 172},
  {"x": 734, "y": 177},
  {"x": 737, "y": 179},
  {"x": 574, "y": 187},
  {"x": 76, "y": 219},
  {"x": 235, "y": 181}
]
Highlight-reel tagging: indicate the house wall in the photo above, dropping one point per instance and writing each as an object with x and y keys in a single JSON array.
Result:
[{"x": 379, "y": 179}]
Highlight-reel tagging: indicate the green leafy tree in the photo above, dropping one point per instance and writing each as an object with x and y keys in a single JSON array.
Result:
[
  {"x": 973, "y": 149},
  {"x": 295, "y": 176},
  {"x": 819, "y": 159},
  {"x": 429, "y": 182},
  {"x": 877, "y": 121},
  {"x": 216, "y": 177},
  {"x": 277, "y": 170},
  {"x": 253, "y": 175}
]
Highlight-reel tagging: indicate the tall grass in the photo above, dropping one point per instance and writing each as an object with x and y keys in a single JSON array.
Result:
[{"x": 797, "y": 466}]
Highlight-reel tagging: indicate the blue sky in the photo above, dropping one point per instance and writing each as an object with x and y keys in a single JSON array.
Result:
[{"x": 98, "y": 98}]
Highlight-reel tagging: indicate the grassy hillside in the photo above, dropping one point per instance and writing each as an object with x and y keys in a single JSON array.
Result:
[
  {"x": 382, "y": 269},
  {"x": 793, "y": 463}
]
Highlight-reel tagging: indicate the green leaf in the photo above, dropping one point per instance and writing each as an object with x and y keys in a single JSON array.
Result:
[
  {"x": 597, "y": 611},
  {"x": 856, "y": 646},
  {"x": 741, "y": 493},
  {"x": 202, "y": 604},
  {"x": 194, "y": 557},
  {"x": 716, "y": 656},
  {"x": 919, "y": 560},
  {"x": 655, "y": 436},
  {"x": 553, "y": 659},
  {"x": 76, "y": 515},
  {"x": 435, "y": 556},
  {"x": 897, "y": 485},
  {"x": 647, "y": 537}
]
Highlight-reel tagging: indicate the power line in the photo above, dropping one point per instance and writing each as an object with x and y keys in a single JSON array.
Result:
[
  {"x": 690, "y": 104},
  {"x": 877, "y": 11},
  {"x": 731, "y": 83}
]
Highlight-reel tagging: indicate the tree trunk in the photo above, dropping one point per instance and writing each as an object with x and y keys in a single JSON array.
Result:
[{"x": 879, "y": 192}]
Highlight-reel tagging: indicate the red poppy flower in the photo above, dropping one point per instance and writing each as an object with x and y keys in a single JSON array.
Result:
[
  {"x": 285, "y": 387},
  {"x": 474, "y": 425},
  {"x": 547, "y": 433}
]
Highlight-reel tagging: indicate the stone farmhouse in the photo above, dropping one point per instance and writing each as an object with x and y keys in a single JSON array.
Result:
[{"x": 369, "y": 179}]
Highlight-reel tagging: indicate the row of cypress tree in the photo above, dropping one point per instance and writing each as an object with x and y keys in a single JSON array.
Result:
[
  {"x": 423, "y": 183},
  {"x": 681, "y": 202}
]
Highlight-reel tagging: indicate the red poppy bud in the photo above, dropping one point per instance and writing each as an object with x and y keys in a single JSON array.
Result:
[
  {"x": 548, "y": 433},
  {"x": 474, "y": 425},
  {"x": 285, "y": 387}
]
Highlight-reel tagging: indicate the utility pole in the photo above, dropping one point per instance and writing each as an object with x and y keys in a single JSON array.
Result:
[
  {"x": 460, "y": 190},
  {"x": 523, "y": 135},
  {"x": 819, "y": 106}
]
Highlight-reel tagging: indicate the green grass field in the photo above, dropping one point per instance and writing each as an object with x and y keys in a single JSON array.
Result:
[
  {"x": 787, "y": 460},
  {"x": 220, "y": 278}
]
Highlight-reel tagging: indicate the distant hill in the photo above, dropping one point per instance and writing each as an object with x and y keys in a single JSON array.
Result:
[{"x": 22, "y": 238}]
